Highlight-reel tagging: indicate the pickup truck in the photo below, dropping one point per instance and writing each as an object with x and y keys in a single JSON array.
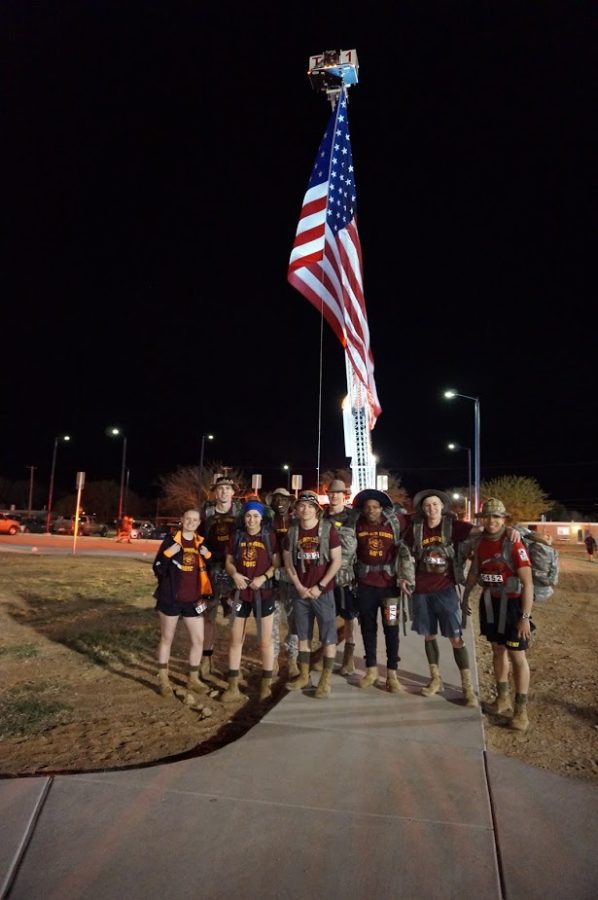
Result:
[{"x": 87, "y": 526}]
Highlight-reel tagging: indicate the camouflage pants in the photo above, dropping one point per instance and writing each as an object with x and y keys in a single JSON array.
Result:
[{"x": 283, "y": 614}]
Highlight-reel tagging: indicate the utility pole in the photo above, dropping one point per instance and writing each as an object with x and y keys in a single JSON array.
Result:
[{"x": 31, "y": 471}]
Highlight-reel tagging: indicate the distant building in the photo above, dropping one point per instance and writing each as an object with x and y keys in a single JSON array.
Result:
[{"x": 564, "y": 532}]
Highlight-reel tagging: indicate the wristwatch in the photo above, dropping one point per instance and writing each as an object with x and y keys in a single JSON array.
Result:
[{"x": 525, "y": 616}]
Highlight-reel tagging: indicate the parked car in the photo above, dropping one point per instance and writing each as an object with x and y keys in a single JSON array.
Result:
[
  {"x": 33, "y": 525},
  {"x": 87, "y": 526},
  {"x": 162, "y": 529},
  {"x": 9, "y": 525},
  {"x": 142, "y": 529}
]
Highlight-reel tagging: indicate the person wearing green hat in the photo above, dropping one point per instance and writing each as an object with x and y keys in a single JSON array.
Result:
[{"x": 501, "y": 565}]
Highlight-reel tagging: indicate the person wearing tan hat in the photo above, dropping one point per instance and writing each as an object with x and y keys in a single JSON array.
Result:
[
  {"x": 501, "y": 565},
  {"x": 220, "y": 518},
  {"x": 344, "y": 518},
  {"x": 312, "y": 557},
  {"x": 434, "y": 536},
  {"x": 281, "y": 503}
]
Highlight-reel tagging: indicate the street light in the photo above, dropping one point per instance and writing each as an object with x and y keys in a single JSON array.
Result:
[
  {"x": 204, "y": 438},
  {"x": 117, "y": 432},
  {"x": 61, "y": 437},
  {"x": 453, "y": 446},
  {"x": 286, "y": 468},
  {"x": 476, "y": 401}
]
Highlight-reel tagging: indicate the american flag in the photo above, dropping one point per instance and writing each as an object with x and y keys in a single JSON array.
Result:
[{"x": 325, "y": 264}]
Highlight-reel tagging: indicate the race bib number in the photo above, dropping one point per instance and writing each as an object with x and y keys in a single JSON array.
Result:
[{"x": 492, "y": 579}]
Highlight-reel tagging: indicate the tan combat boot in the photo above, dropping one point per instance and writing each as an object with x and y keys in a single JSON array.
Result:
[
  {"x": 520, "y": 721},
  {"x": 266, "y": 688},
  {"x": 393, "y": 685},
  {"x": 315, "y": 661},
  {"x": 348, "y": 664},
  {"x": 502, "y": 703},
  {"x": 193, "y": 682},
  {"x": 293, "y": 667},
  {"x": 232, "y": 692},
  {"x": 468, "y": 692},
  {"x": 164, "y": 685},
  {"x": 434, "y": 686},
  {"x": 324, "y": 687},
  {"x": 302, "y": 680},
  {"x": 370, "y": 677}
]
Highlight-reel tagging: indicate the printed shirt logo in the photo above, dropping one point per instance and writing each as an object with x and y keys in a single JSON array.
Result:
[
  {"x": 309, "y": 548},
  {"x": 250, "y": 553},
  {"x": 189, "y": 559}
]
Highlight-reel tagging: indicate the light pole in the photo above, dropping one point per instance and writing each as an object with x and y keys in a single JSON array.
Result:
[
  {"x": 31, "y": 471},
  {"x": 204, "y": 438},
  {"x": 117, "y": 432},
  {"x": 476, "y": 446},
  {"x": 286, "y": 468},
  {"x": 63, "y": 437},
  {"x": 453, "y": 446}
]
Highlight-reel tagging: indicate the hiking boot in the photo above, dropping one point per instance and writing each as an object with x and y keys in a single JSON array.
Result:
[
  {"x": 502, "y": 703},
  {"x": 348, "y": 664},
  {"x": 468, "y": 692},
  {"x": 393, "y": 685},
  {"x": 266, "y": 688},
  {"x": 302, "y": 680},
  {"x": 193, "y": 682},
  {"x": 316, "y": 657},
  {"x": 207, "y": 669},
  {"x": 434, "y": 686},
  {"x": 370, "y": 677},
  {"x": 520, "y": 721},
  {"x": 293, "y": 668},
  {"x": 324, "y": 687},
  {"x": 164, "y": 685},
  {"x": 232, "y": 693}
]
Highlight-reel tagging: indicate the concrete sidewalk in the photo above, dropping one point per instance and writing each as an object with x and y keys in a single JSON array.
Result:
[{"x": 364, "y": 795}]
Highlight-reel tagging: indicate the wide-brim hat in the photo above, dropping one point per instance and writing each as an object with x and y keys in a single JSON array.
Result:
[
  {"x": 431, "y": 492},
  {"x": 283, "y": 491},
  {"x": 337, "y": 485},
  {"x": 222, "y": 482},
  {"x": 371, "y": 494}
]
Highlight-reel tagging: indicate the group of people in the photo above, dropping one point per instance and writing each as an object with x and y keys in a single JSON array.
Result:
[{"x": 301, "y": 564}]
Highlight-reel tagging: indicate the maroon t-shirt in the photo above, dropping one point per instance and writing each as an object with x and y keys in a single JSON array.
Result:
[
  {"x": 376, "y": 547},
  {"x": 217, "y": 530},
  {"x": 431, "y": 582},
  {"x": 188, "y": 587},
  {"x": 309, "y": 564},
  {"x": 252, "y": 559}
]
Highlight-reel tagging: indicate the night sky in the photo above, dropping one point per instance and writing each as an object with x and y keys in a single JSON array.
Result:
[{"x": 154, "y": 162}]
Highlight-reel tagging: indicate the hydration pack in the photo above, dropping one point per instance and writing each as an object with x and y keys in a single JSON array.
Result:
[
  {"x": 345, "y": 522},
  {"x": 543, "y": 557},
  {"x": 438, "y": 555},
  {"x": 324, "y": 526}
]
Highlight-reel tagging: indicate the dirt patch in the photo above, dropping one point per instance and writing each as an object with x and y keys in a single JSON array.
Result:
[{"x": 77, "y": 668}]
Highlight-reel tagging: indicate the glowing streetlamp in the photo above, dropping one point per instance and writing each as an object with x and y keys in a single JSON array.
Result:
[
  {"x": 61, "y": 437},
  {"x": 476, "y": 483},
  {"x": 453, "y": 446},
  {"x": 118, "y": 432},
  {"x": 286, "y": 468}
]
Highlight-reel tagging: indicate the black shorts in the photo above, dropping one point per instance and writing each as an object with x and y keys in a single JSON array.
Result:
[
  {"x": 510, "y": 639},
  {"x": 187, "y": 610},
  {"x": 244, "y": 609}
]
